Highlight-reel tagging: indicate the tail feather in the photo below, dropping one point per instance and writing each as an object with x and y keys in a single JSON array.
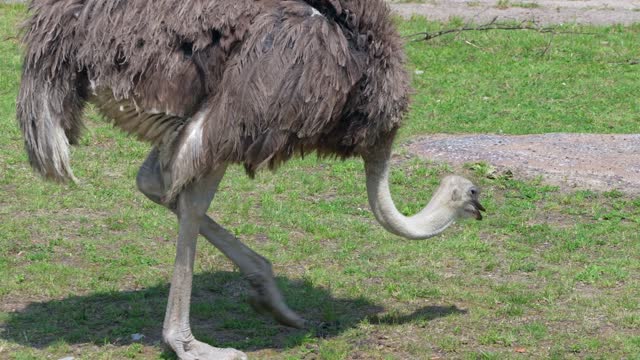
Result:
[
  {"x": 49, "y": 117},
  {"x": 51, "y": 98}
]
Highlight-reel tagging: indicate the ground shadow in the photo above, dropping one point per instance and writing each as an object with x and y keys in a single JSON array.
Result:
[
  {"x": 220, "y": 315},
  {"x": 426, "y": 313}
]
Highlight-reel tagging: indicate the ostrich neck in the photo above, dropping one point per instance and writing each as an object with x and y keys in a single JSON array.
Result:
[{"x": 429, "y": 222}]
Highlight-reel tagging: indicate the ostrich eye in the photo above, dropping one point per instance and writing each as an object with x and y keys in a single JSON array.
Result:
[{"x": 473, "y": 192}]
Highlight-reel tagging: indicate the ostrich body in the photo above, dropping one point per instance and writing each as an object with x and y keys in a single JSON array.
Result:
[{"x": 212, "y": 83}]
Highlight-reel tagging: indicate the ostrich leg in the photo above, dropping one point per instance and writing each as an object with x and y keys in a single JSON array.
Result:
[
  {"x": 191, "y": 207},
  {"x": 265, "y": 295}
]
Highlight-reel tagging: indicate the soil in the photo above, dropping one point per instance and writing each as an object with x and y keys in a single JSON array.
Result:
[
  {"x": 543, "y": 12},
  {"x": 572, "y": 161}
]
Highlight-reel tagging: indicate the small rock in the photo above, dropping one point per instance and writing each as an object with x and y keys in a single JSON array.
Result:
[
  {"x": 419, "y": 72},
  {"x": 136, "y": 337},
  {"x": 67, "y": 358}
]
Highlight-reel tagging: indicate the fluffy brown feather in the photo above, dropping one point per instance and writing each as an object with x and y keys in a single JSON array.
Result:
[{"x": 252, "y": 82}]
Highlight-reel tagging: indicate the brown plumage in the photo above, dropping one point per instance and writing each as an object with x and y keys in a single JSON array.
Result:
[{"x": 251, "y": 82}]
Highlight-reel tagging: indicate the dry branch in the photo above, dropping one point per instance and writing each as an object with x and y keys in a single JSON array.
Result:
[{"x": 492, "y": 25}]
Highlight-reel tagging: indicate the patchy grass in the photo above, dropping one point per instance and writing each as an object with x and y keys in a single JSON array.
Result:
[
  {"x": 526, "y": 5},
  {"x": 505, "y": 4},
  {"x": 545, "y": 275}
]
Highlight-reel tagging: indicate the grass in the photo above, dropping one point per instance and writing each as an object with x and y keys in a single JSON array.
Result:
[
  {"x": 505, "y": 4},
  {"x": 547, "y": 274},
  {"x": 526, "y": 5}
]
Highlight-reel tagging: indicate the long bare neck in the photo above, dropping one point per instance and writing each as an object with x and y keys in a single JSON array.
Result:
[{"x": 429, "y": 222}]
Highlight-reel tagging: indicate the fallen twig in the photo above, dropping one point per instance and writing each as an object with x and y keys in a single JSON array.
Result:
[{"x": 492, "y": 25}]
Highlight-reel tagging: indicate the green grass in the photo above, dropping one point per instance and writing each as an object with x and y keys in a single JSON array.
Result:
[
  {"x": 505, "y": 4},
  {"x": 82, "y": 267},
  {"x": 520, "y": 82}
]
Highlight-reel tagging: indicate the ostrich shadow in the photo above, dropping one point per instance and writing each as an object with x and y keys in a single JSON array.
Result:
[{"x": 219, "y": 314}]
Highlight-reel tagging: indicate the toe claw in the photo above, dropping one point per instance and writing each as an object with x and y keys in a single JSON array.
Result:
[{"x": 280, "y": 312}]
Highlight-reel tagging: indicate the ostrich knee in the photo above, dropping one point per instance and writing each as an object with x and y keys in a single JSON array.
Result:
[{"x": 149, "y": 179}]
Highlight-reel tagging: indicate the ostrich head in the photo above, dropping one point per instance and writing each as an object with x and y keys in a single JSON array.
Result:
[
  {"x": 460, "y": 195},
  {"x": 456, "y": 198}
]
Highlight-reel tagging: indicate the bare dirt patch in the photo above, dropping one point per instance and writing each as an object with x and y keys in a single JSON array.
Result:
[
  {"x": 584, "y": 161},
  {"x": 544, "y": 12}
]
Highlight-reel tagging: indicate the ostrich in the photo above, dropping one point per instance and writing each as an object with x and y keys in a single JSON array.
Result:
[{"x": 220, "y": 82}]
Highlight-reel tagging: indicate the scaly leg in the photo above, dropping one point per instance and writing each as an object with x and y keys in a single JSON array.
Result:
[
  {"x": 191, "y": 207},
  {"x": 265, "y": 296}
]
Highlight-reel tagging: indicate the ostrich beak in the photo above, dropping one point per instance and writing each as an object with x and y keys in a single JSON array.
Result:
[
  {"x": 477, "y": 208},
  {"x": 473, "y": 209}
]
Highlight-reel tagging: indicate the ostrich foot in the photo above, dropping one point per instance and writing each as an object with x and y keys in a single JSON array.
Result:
[
  {"x": 266, "y": 298},
  {"x": 196, "y": 350}
]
